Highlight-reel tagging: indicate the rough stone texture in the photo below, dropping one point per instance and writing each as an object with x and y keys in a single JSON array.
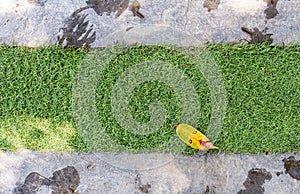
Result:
[
  {"x": 219, "y": 173},
  {"x": 36, "y": 24}
]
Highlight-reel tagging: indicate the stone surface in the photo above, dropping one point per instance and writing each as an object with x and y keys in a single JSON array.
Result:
[
  {"x": 36, "y": 24},
  {"x": 218, "y": 173}
]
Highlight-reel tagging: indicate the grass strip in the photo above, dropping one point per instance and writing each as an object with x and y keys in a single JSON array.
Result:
[{"x": 262, "y": 85}]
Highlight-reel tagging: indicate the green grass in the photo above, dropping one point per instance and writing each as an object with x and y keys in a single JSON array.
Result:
[{"x": 262, "y": 87}]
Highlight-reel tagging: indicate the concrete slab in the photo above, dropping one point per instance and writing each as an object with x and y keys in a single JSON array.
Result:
[
  {"x": 37, "y": 24},
  {"x": 162, "y": 173}
]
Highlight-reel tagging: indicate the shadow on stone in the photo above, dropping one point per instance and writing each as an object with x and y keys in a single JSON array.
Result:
[
  {"x": 258, "y": 36},
  {"x": 77, "y": 33},
  {"x": 103, "y": 6}
]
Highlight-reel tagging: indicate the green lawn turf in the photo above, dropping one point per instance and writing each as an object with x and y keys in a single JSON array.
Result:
[{"x": 262, "y": 87}]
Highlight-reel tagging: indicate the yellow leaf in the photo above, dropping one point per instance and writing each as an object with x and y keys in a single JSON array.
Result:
[{"x": 194, "y": 138}]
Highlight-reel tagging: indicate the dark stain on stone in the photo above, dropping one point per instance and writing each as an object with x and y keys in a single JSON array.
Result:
[
  {"x": 258, "y": 36},
  {"x": 77, "y": 33},
  {"x": 143, "y": 188},
  {"x": 292, "y": 167},
  {"x": 129, "y": 28},
  {"x": 32, "y": 183},
  {"x": 65, "y": 180},
  {"x": 271, "y": 11},
  {"x": 211, "y": 4},
  {"x": 105, "y": 6},
  {"x": 90, "y": 166},
  {"x": 279, "y": 173},
  {"x": 135, "y": 7},
  {"x": 210, "y": 190},
  {"x": 254, "y": 182}
]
